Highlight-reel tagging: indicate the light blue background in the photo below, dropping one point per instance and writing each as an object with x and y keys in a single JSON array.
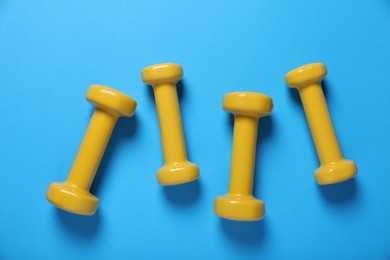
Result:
[{"x": 51, "y": 51}]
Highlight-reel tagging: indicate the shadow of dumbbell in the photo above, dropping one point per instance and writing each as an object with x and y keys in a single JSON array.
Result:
[
  {"x": 184, "y": 194},
  {"x": 247, "y": 233},
  {"x": 123, "y": 133},
  {"x": 79, "y": 225},
  {"x": 342, "y": 193}
]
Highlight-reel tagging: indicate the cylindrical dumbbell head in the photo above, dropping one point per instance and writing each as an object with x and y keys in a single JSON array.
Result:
[
  {"x": 335, "y": 172},
  {"x": 305, "y": 75},
  {"x": 111, "y": 100},
  {"x": 177, "y": 173},
  {"x": 162, "y": 73},
  {"x": 239, "y": 208},
  {"x": 247, "y": 103},
  {"x": 71, "y": 198}
]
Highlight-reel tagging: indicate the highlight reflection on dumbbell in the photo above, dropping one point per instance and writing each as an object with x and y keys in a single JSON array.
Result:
[
  {"x": 177, "y": 169},
  {"x": 334, "y": 168},
  {"x": 239, "y": 204},
  {"x": 73, "y": 195}
]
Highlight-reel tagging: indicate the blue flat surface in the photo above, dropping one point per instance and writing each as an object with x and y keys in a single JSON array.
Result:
[{"x": 52, "y": 51}]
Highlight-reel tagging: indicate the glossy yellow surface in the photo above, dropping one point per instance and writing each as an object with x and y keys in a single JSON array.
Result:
[
  {"x": 239, "y": 203},
  {"x": 334, "y": 168},
  {"x": 177, "y": 169},
  {"x": 73, "y": 195}
]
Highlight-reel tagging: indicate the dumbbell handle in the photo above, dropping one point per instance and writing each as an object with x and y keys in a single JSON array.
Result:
[
  {"x": 320, "y": 123},
  {"x": 92, "y": 149},
  {"x": 170, "y": 123},
  {"x": 244, "y": 153}
]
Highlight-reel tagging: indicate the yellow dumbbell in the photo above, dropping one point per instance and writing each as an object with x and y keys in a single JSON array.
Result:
[
  {"x": 334, "y": 168},
  {"x": 239, "y": 204},
  {"x": 177, "y": 169},
  {"x": 73, "y": 195}
]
